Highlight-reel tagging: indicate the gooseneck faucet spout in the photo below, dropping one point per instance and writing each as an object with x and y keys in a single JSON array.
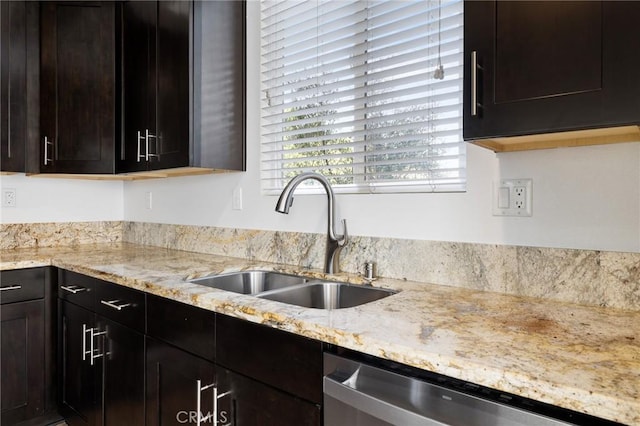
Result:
[{"x": 335, "y": 242}]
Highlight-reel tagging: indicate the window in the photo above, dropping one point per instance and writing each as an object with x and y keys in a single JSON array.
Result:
[{"x": 368, "y": 93}]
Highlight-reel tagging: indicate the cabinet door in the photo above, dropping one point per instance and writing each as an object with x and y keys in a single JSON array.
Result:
[
  {"x": 22, "y": 359},
  {"x": 123, "y": 364},
  {"x": 156, "y": 78},
  {"x": 77, "y": 377},
  {"x": 173, "y": 79},
  {"x": 77, "y": 87},
  {"x": 187, "y": 327},
  {"x": 138, "y": 32},
  {"x": 256, "y": 404},
  {"x": 13, "y": 85},
  {"x": 180, "y": 386},
  {"x": 284, "y": 360},
  {"x": 550, "y": 66},
  {"x": 219, "y": 85}
]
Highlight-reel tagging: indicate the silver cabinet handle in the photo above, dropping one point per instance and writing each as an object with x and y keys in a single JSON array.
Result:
[
  {"x": 216, "y": 396},
  {"x": 47, "y": 142},
  {"x": 114, "y": 304},
  {"x": 474, "y": 83},
  {"x": 147, "y": 136},
  {"x": 92, "y": 350},
  {"x": 73, "y": 289},
  {"x": 95, "y": 356},
  {"x": 140, "y": 138},
  {"x": 199, "y": 390},
  {"x": 84, "y": 341},
  {"x": 10, "y": 287}
]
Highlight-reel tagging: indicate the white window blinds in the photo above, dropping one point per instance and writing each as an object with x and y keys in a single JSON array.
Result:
[{"x": 354, "y": 90}]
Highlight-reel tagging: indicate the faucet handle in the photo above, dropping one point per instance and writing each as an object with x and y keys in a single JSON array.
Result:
[{"x": 344, "y": 238}]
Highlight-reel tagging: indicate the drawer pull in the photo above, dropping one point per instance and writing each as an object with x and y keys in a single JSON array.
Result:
[
  {"x": 113, "y": 304},
  {"x": 73, "y": 289},
  {"x": 10, "y": 287}
]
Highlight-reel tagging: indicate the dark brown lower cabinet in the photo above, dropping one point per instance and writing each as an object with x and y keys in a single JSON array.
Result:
[
  {"x": 251, "y": 375},
  {"x": 102, "y": 362},
  {"x": 78, "y": 397},
  {"x": 123, "y": 362},
  {"x": 185, "y": 389},
  {"x": 22, "y": 361},
  {"x": 180, "y": 387},
  {"x": 27, "y": 322},
  {"x": 256, "y": 404}
]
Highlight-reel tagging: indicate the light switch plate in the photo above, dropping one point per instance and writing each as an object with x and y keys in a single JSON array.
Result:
[{"x": 513, "y": 197}]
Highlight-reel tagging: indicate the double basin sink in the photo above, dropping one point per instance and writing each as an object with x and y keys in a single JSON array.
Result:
[{"x": 295, "y": 289}]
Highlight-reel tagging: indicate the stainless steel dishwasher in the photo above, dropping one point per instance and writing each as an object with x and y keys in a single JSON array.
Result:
[{"x": 359, "y": 394}]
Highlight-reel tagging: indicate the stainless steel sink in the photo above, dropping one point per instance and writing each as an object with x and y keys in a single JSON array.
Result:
[
  {"x": 250, "y": 282},
  {"x": 327, "y": 295},
  {"x": 295, "y": 289}
]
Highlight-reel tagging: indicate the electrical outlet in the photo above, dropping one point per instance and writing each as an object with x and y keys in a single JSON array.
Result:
[
  {"x": 513, "y": 197},
  {"x": 8, "y": 197}
]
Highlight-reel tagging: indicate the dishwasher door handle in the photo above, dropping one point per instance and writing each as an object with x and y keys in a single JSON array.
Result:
[{"x": 375, "y": 406}]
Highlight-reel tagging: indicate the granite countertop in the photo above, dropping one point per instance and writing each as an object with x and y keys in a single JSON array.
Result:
[{"x": 578, "y": 357}]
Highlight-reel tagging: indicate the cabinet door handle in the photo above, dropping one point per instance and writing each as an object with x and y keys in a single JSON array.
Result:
[
  {"x": 147, "y": 136},
  {"x": 73, "y": 289},
  {"x": 114, "y": 304},
  {"x": 216, "y": 396},
  {"x": 201, "y": 388},
  {"x": 474, "y": 84},
  {"x": 140, "y": 138},
  {"x": 47, "y": 142},
  {"x": 84, "y": 341},
  {"x": 10, "y": 287},
  {"x": 93, "y": 349}
]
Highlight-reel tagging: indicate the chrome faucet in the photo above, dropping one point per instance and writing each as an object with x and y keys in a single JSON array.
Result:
[{"x": 335, "y": 242}]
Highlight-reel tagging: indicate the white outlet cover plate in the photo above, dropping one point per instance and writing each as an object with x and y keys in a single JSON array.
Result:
[
  {"x": 519, "y": 204},
  {"x": 8, "y": 197}
]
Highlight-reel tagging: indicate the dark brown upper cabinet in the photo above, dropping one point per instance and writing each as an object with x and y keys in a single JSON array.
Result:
[
  {"x": 155, "y": 78},
  {"x": 19, "y": 66},
  {"x": 77, "y": 87},
  {"x": 538, "y": 67},
  {"x": 183, "y": 79},
  {"x": 219, "y": 77}
]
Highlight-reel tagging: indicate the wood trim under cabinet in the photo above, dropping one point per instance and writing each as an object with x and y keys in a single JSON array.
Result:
[
  {"x": 562, "y": 139},
  {"x": 152, "y": 174}
]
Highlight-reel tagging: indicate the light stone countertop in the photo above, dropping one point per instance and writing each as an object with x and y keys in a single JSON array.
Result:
[{"x": 578, "y": 357}]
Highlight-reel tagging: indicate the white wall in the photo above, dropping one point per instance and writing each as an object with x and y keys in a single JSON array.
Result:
[
  {"x": 61, "y": 200},
  {"x": 586, "y": 197}
]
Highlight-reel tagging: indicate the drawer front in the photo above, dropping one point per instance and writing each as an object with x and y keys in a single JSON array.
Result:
[
  {"x": 76, "y": 288},
  {"x": 20, "y": 285},
  {"x": 283, "y": 360},
  {"x": 187, "y": 327},
  {"x": 121, "y": 304}
]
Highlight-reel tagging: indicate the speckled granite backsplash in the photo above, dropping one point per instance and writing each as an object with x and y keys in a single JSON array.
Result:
[
  {"x": 24, "y": 235},
  {"x": 609, "y": 279}
]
